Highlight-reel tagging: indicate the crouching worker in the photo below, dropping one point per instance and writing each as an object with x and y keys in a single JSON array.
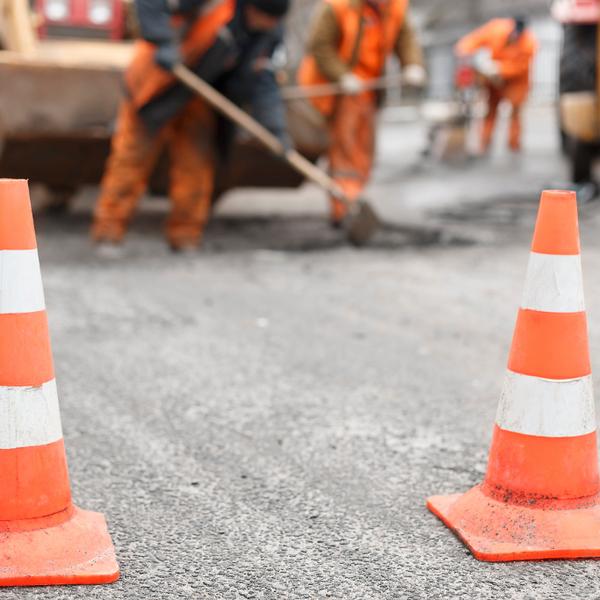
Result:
[
  {"x": 228, "y": 44},
  {"x": 349, "y": 44},
  {"x": 502, "y": 51}
]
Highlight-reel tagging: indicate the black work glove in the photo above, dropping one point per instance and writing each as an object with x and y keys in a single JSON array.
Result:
[{"x": 167, "y": 56}]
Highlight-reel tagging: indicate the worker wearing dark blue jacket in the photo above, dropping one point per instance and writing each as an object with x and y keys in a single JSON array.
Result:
[{"x": 230, "y": 45}]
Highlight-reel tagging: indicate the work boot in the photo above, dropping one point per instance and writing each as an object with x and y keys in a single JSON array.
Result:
[
  {"x": 337, "y": 214},
  {"x": 183, "y": 249},
  {"x": 108, "y": 250},
  {"x": 184, "y": 244},
  {"x": 107, "y": 237},
  {"x": 485, "y": 151},
  {"x": 515, "y": 147},
  {"x": 109, "y": 231}
]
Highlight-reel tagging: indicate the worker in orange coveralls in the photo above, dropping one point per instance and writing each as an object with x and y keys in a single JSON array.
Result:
[
  {"x": 229, "y": 43},
  {"x": 349, "y": 44},
  {"x": 502, "y": 51}
]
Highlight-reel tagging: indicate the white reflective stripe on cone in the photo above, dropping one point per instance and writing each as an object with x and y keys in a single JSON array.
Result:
[
  {"x": 547, "y": 407},
  {"x": 554, "y": 283},
  {"x": 29, "y": 416},
  {"x": 21, "y": 288}
]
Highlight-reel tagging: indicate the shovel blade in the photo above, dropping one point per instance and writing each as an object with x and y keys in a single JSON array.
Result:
[{"x": 362, "y": 223}]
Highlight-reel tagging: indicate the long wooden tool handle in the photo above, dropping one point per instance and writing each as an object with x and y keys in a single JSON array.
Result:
[
  {"x": 261, "y": 133},
  {"x": 228, "y": 108},
  {"x": 298, "y": 92}
]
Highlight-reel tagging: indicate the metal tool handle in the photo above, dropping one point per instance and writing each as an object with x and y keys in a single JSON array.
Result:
[{"x": 219, "y": 102}]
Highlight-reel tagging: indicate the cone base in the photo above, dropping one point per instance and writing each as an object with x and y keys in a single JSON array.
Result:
[
  {"x": 78, "y": 551},
  {"x": 498, "y": 531}
]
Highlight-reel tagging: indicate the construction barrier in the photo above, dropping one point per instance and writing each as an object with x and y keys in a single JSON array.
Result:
[
  {"x": 540, "y": 496},
  {"x": 44, "y": 538}
]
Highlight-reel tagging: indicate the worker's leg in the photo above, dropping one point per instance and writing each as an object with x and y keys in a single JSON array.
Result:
[
  {"x": 352, "y": 146},
  {"x": 192, "y": 154},
  {"x": 489, "y": 122},
  {"x": 133, "y": 155},
  {"x": 514, "y": 132}
]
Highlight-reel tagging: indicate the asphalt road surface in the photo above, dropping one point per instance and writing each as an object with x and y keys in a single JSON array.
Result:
[{"x": 265, "y": 419}]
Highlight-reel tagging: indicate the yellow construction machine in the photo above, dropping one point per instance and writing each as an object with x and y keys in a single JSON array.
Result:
[{"x": 58, "y": 103}]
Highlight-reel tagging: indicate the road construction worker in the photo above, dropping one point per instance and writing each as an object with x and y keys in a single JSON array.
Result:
[
  {"x": 229, "y": 44},
  {"x": 502, "y": 51},
  {"x": 349, "y": 44}
]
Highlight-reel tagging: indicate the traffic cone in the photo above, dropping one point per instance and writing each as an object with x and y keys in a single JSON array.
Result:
[
  {"x": 540, "y": 496},
  {"x": 44, "y": 538}
]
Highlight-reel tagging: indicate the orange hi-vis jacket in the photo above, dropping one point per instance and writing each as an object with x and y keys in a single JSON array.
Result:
[
  {"x": 363, "y": 48},
  {"x": 513, "y": 59},
  {"x": 145, "y": 80}
]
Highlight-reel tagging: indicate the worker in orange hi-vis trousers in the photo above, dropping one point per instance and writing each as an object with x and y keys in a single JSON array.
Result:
[
  {"x": 229, "y": 44},
  {"x": 502, "y": 51},
  {"x": 349, "y": 45},
  {"x": 135, "y": 152}
]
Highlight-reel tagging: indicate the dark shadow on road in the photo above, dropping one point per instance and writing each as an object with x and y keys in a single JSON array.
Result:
[
  {"x": 496, "y": 210},
  {"x": 245, "y": 233}
]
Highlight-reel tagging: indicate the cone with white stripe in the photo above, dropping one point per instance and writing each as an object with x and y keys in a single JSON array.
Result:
[
  {"x": 540, "y": 497},
  {"x": 44, "y": 538}
]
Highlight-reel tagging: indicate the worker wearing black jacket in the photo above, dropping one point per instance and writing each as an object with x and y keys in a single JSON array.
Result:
[{"x": 230, "y": 45}]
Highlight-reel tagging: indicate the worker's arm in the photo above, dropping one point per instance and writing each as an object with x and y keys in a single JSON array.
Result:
[
  {"x": 470, "y": 43},
  {"x": 518, "y": 67},
  {"x": 266, "y": 102},
  {"x": 154, "y": 17},
  {"x": 410, "y": 55},
  {"x": 323, "y": 44},
  {"x": 407, "y": 48},
  {"x": 268, "y": 108}
]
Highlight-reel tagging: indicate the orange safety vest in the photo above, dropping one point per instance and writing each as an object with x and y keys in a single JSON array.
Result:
[
  {"x": 514, "y": 60},
  {"x": 376, "y": 43},
  {"x": 144, "y": 79}
]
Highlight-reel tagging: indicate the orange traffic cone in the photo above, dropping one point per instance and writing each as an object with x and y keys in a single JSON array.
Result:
[
  {"x": 540, "y": 497},
  {"x": 44, "y": 539}
]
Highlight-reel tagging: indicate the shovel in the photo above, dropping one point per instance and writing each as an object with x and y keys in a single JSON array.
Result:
[{"x": 361, "y": 221}]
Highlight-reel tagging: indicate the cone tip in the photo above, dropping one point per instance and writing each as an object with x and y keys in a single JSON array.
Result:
[
  {"x": 559, "y": 196},
  {"x": 9, "y": 188},
  {"x": 557, "y": 228},
  {"x": 16, "y": 219}
]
